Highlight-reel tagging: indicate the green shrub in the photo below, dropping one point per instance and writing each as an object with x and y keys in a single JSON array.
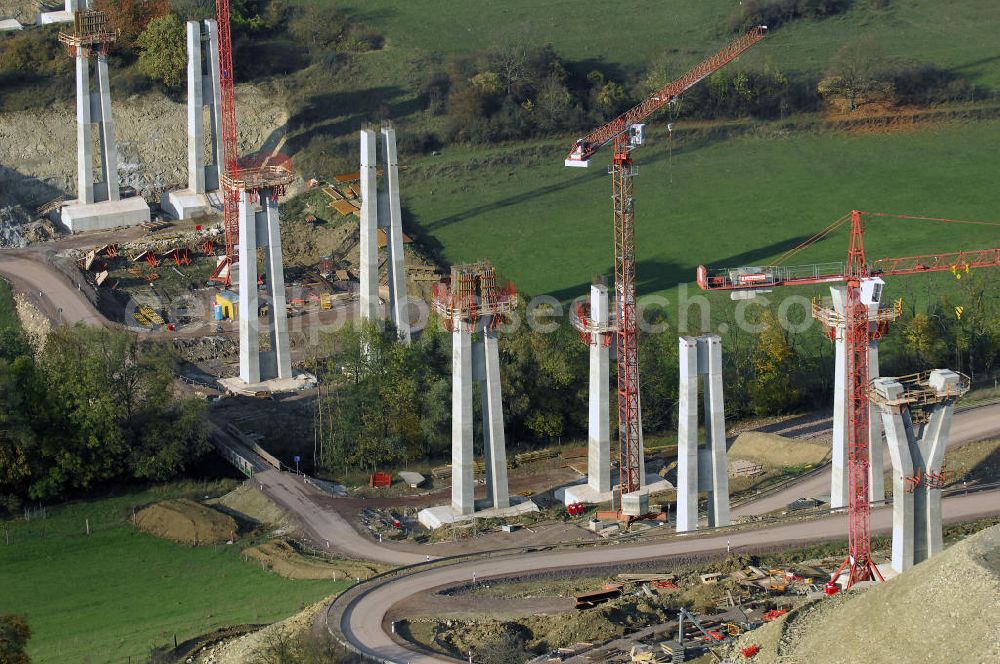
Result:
[{"x": 163, "y": 51}]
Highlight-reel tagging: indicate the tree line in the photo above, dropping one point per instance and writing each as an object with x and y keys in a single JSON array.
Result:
[
  {"x": 392, "y": 403},
  {"x": 90, "y": 408}
]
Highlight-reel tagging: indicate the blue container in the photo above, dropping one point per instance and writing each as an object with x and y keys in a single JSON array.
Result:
[{"x": 218, "y": 312}]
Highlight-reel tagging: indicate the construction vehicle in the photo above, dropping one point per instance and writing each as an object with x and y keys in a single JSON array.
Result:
[
  {"x": 864, "y": 289},
  {"x": 626, "y": 132}
]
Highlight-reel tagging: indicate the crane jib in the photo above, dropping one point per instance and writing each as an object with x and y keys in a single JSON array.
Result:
[{"x": 586, "y": 147}]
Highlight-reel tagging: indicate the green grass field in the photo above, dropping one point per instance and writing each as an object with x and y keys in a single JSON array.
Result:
[
  {"x": 720, "y": 201},
  {"x": 957, "y": 35},
  {"x": 723, "y": 203},
  {"x": 118, "y": 593}
]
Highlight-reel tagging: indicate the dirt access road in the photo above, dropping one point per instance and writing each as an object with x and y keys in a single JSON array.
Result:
[
  {"x": 967, "y": 426},
  {"x": 367, "y": 614},
  {"x": 331, "y": 523},
  {"x": 60, "y": 301}
]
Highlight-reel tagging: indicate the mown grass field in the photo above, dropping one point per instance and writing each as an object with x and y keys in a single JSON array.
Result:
[
  {"x": 736, "y": 201},
  {"x": 719, "y": 201},
  {"x": 118, "y": 593},
  {"x": 959, "y": 35}
]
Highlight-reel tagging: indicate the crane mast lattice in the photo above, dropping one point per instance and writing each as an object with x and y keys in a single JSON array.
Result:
[{"x": 229, "y": 159}]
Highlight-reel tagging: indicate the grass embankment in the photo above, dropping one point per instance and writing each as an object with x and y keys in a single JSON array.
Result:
[{"x": 119, "y": 592}]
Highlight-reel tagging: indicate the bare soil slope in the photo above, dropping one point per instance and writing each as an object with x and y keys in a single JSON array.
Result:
[
  {"x": 283, "y": 559},
  {"x": 39, "y": 146},
  {"x": 777, "y": 451},
  {"x": 944, "y": 610}
]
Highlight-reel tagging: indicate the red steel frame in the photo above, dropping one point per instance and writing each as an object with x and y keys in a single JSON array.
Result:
[
  {"x": 587, "y": 146},
  {"x": 629, "y": 417},
  {"x": 230, "y": 155},
  {"x": 859, "y": 562}
]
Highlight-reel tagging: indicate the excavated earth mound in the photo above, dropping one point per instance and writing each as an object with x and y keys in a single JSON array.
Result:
[
  {"x": 777, "y": 451},
  {"x": 283, "y": 559},
  {"x": 946, "y": 609},
  {"x": 187, "y": 522}
]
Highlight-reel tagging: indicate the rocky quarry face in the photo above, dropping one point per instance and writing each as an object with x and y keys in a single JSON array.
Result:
[{"x": 38, "y": 147}]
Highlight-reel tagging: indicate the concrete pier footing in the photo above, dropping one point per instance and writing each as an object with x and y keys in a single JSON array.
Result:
[
  {"x": 701, "y": 469},
  {"x": 204, "y": 90},
  {"x": 259, "y": 228},
  {"x": 93, "y": 107},
  {"x": 917, "y": 454}
]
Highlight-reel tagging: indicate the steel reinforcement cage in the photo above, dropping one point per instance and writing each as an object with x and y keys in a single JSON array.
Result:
[
  {"x": 472, "y": 293},
  {"x": 90, "y": 31}
]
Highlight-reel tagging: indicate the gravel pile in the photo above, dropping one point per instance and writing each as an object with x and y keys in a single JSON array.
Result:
[{"x": 202, "y": 349}]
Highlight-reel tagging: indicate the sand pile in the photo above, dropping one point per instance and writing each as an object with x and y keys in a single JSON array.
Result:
[
  {"x": 777, "y": 451},
  {"x": 187, "y": 522},
  {"x": 246, "y": 502},
  {"x": 282, "y": 558},
  {"x": 944, "y": 610}
]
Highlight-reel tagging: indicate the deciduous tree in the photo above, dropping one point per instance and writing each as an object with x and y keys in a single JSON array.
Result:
[{"x": 163, "y": 50}]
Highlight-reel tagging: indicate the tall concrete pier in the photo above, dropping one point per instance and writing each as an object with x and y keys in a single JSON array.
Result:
[
  {"x": 471, "y": 302},
  {"x": 99, "y": 204},
  {"x": 382, "y": 210},
  {"x": 369, "y": 227},
  {"x": 487, "y": 363},
  {"x": 399, "y": 311},
  {"x": 596, "y": 331},
  {"x": 462, "y": 457},
  {"x": 259, "y": 229},
  {"x": 916, "y": 412},
  {"x": 834, "y": 319},
  {"x": 204, "y": 93},
  {"x": 701, "y": 469}
]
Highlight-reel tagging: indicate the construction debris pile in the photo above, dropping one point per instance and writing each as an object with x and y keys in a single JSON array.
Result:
[{"x": 17, "y": 230}]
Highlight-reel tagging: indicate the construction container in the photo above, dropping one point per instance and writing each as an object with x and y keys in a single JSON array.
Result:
[{"x": 230, "y": 303}]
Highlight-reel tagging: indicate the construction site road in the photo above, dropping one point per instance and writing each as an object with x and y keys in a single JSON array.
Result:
[
  {"x": 326, "y": 527},
  {"x": 967, "y": 426},
  {"x": 60, "y": 300},
  {"x": 365, "y": 620}
]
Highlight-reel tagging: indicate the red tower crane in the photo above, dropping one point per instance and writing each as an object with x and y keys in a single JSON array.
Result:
[
  {"x": 272, "y": 172},
  {"x": 229, "y": 159},
  {"x": 864, "y": 288},
  {"x": 625, "y": 132}
]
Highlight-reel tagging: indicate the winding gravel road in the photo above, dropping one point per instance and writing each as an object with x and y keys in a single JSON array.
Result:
[
  {"x": 60, "y": 300},
  {"x": 366, "y": 619}
]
